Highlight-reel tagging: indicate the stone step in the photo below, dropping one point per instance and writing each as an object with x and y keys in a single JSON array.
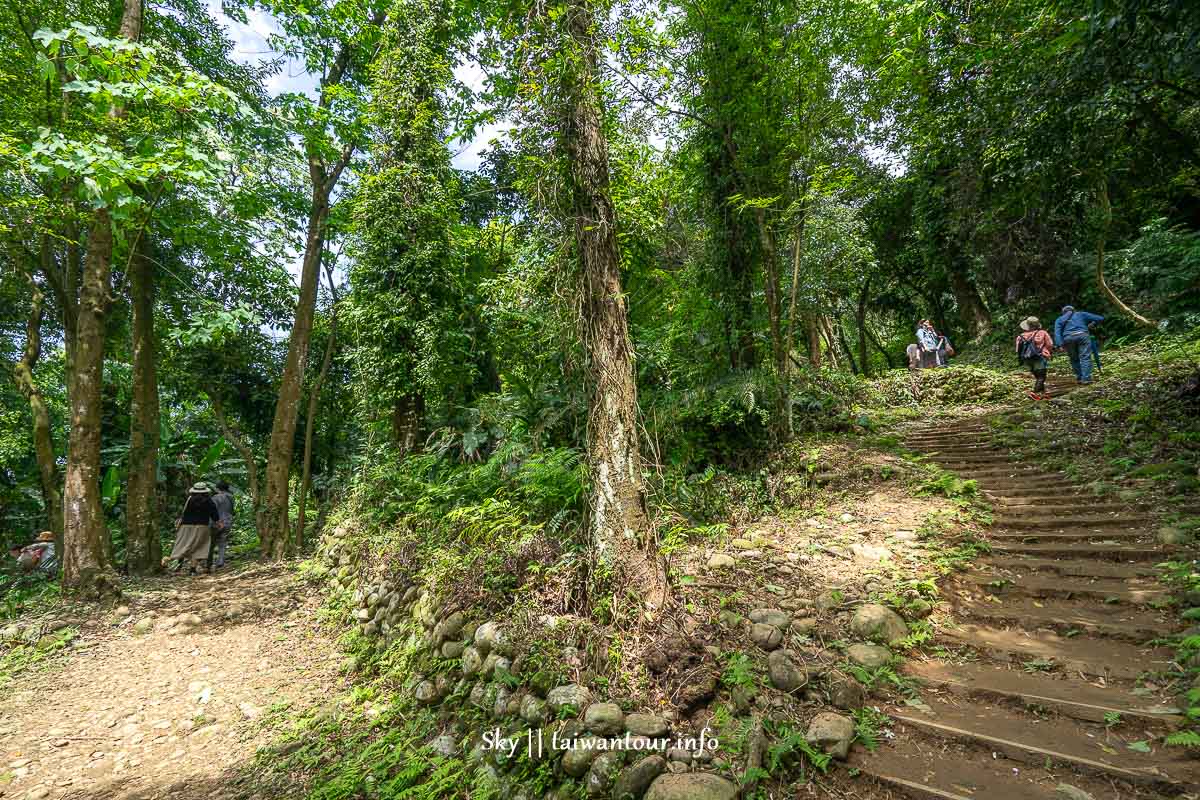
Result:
[
  {"x": 929, "y": 441},
  {"x": 1021, "y": 534},
  {"x": 1066, "y": 695},
  {"x": 934, "y": 768},
  {"x": 1111, "y": 659},
  {"x": 980, "y": 449},
  {"x": 1082, "y": 567},
  {"x": 933, "y": 447},
  {"x": 1007, "y": 583},
  {"x": 972, "y": 456},
  {"x": 1069, "y": 550},
  {"x": 1081, "y": 747},
  {"x": 1125, "y": 622},
  {"x": 1057, "y": 504},
  {"x": 1063, "y": 521},
  {"x": 969, "y": 468},
  {"x": 1017, "y": 472},
  {"x": 1027, "y": 489}
]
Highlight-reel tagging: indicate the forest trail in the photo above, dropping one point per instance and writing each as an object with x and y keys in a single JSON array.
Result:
[
  {"x": 1040, "y": 681},
  {"x": 165, "y": 701}
]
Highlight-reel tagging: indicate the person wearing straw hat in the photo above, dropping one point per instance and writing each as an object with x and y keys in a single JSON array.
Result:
[
  {"x": 193, "y": 529},
  {"x": 1034, "y": 347}
]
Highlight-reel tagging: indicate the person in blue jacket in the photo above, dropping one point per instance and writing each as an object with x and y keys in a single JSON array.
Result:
[{"x": 1071, "y": 333}]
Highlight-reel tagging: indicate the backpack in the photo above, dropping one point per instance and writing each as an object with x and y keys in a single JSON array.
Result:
[{"x": 1029, "y": 348}]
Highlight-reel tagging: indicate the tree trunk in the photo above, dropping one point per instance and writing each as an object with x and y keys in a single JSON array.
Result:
[
  {"x": 860, "y": 318},
  {"x": 143, "y": 543},
  {"x": 797, "y": 260},
  {"x": 310, "y": 423},
  {"x": 622, "y": 538},
  {"x": 1106, "y": 211},
  {"x": 740, "y": 300},
  {"x": 43, "y": 442},
  {"x": 831, "y": 345},
  {"x": 782, "y": 426},
  {"x": 813, "y": 333},
  {"x": 970, "y": 306},
  {"x": 841, "y": 336},
  {"x": 273, "y": 533},
  {"x": 408, "y": 417},
  {"x": 86, "y": 566},
  {"x": 234, "y": 437}
]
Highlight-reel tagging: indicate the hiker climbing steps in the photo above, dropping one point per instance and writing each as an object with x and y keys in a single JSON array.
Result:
[{"x": 1046, "y": 677}]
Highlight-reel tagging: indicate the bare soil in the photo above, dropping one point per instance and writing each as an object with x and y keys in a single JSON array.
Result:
[{"x": 178, "y": 711}]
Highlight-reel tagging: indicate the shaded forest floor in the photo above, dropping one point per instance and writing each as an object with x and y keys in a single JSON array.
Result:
[{"x": 163, "y": 700}]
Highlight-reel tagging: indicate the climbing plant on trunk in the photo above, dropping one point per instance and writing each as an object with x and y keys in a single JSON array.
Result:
[
  {"x": 337, "y": 44},
  {"x": 623, "y": 539}
]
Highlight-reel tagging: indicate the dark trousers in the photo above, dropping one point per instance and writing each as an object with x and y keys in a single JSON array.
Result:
[{"x": 1038, "y": 367}]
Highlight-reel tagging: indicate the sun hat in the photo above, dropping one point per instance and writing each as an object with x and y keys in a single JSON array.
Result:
[
  {"x": 1030, "y": 323},
  {"x": 1068, "y": 309},
  {"x": 199, "y": 488},
  {"x": 45, "y": 536}
]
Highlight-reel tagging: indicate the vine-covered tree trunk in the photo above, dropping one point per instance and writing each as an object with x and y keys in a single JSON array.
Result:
[
  {"x": 273, "y": 533},
  {"x": 143, "y": 544},
  {"x": 43, "y": 441},
  {"x": 1106, "y": 220},
  {"x": 310, "y": 423},
  {"x": 782, "y": 426},
  {"x": 621, "y": 534},
  {"x": 408, "y": 416},
  {"x": 86, "y": 566}
]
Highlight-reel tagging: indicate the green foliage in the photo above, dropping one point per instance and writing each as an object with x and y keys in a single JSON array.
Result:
[
  {"x": 22, "y": 592},
  {"x": 879, "y": 677},
  {"x": 1162, "y": 268},
  {"x": 948, "y": 484},
  {"x": 185, "y": 147},
  {"x": 1189, "y": 739},
  {"x": 19, "y": 659},
  {"x": 790, "y": 750},
  {"x": 868, "y": 725},
  {"x": 739, "y": 672}
]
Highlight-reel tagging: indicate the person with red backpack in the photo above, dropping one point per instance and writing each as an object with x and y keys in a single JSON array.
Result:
[{"x": 1034, "y": 348}]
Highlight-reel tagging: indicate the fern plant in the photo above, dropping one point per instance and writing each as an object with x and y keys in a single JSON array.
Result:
[
  {"x": 739, "y": 672},
  {"x": 867, "y": 727},
  {"x": 791, "y": 749}
]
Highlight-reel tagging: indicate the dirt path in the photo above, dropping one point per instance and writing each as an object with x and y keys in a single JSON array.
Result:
[
  {"x": 1047, "y": 678},
  {"x": 162, "y": 713}
]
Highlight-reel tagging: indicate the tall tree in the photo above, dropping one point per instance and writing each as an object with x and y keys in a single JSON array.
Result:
[
  {"x": 337, "y": 42},
  {"x": 118, "y": 165},
  {"x": 86, "y": 563},
  {"x": 143, "y": 546},
  {"x": 622, "y": 537}
]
